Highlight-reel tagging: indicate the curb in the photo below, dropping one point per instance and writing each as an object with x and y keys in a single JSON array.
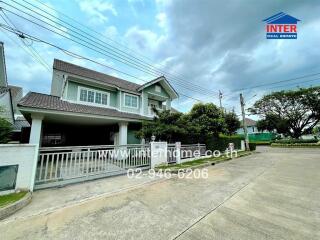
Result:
[
  {"x": 14, "y": 207},
  {"x": 207, "y": 164}
]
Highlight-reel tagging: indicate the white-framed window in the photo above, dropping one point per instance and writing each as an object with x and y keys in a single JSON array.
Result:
[
  {"x": 158, "y": 88},
  {"x": 130, "y": 101},
  {"x": 93, "y": 97}
]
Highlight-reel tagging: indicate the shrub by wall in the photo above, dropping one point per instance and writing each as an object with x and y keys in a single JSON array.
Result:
[
  {"x": 252, "y": 146},
  {"x": 293, "y": 141},
  {"x": 221, "y": 142}
]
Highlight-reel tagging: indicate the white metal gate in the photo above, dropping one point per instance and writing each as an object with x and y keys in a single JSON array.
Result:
[{"x": 62, "y": 165}]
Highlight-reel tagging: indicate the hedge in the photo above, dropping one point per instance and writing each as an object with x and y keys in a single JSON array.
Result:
[
  {"x": 293, "y": 141},
  {"x": 261, "y": 143},
  {"x": 252, "y": 146},
  {"x": 221, "y": 142},
  {"x": 296, "y": 145}
]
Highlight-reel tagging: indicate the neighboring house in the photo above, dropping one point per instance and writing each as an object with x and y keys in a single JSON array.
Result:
[
  {"x": 86, "y": 107},
  {"x": 251, "y": 126},
  {"x": 9, "y": 97},
  {"x": 6, "y": 106}
]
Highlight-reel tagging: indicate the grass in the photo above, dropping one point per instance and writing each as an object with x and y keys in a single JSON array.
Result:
[
  {"x": 198, "y": 162},
  {"x": 11, "y": 198}
]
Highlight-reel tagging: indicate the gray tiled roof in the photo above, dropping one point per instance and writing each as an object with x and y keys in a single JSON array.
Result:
[
  {"x": 18, "y": 124},
  {"x": 88, "y": 73},
  {"x": 49, "y": 102},
  {"x": 249, "y": 122}
]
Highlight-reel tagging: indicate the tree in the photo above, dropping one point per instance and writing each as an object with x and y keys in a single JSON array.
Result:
[
  {"x": 5, "y": 129},
  {"x": 272, "y": 123},
  {"x": 203, "y": 120},
  {"x": 295, "y": 112},
  {"x": 232, "y": 123},
  {"x": 165, "y": 126},
  {"x": 206, "y": 120}
]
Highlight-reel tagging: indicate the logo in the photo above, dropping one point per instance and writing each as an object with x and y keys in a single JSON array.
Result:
[{"x": 281, "y": 26}]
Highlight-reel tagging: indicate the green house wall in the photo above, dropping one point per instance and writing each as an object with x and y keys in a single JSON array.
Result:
[{"x": 72, "y": 92}]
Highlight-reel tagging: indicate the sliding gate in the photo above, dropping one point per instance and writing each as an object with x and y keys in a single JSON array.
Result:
[{"x": 63, "y": 165}]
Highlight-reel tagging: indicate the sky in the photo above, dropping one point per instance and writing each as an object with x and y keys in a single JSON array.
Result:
[{"x": 201, "y": 46}]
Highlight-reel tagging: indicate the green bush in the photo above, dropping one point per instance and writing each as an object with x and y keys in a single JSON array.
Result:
[
  {"x": 296, "y": 145},
  {"x": 5, "y": 130},
  {"x": 261, "y": 143},
  {"x": 221, "y": 142},
  {"x": 252, "y": 146},
  {"x": 292, "y": 141}
]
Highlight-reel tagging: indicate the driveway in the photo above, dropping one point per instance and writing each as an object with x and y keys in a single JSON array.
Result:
[{"x": 273, "y": 194}]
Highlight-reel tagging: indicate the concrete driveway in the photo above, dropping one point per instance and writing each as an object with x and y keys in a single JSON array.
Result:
[{"x": 273, "y": 194}]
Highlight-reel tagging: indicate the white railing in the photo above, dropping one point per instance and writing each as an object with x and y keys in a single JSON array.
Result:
[
  {"x": 192, "y": 150},
  {"x": 62, "y": 163},
  {"x": 171, "y": 155}
]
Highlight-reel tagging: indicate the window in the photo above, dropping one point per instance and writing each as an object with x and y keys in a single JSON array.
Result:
[
  {"x": 83, "y": 95},
  {"x": 131, "y": 101},
  {"x": 94, "y": 96},
  {"x": 90, "y": 96},
  {"x": 158, "y": 88},
  {"x": 98, "y": 98},
  {"x": 104, "y": 99}
]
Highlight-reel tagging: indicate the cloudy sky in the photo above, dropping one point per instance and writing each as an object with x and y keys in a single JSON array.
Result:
[{"x": 202, "y": 46}]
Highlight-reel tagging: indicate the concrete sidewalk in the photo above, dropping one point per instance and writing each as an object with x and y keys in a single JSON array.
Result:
[{"x": 49, "y": 200}]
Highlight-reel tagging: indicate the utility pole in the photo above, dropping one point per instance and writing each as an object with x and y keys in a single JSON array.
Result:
[
  {"x": 244, "y": 123},
  {"x": 220, "y": 97}
]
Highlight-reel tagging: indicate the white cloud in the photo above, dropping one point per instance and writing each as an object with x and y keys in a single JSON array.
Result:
[
  {"x": 111, "y": 32},
  {"x": 143, "y": 40},
  {"x": 97, "y": 9},
  {"x": 162, "y": 19}
]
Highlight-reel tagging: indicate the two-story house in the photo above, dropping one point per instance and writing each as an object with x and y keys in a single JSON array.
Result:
[{"x": 87, "y": 107}]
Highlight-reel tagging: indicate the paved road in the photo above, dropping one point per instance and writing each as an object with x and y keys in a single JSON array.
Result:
[{"x": 273, "y": 194}]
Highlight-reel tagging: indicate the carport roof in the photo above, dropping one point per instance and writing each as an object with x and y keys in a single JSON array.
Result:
[{"x": 41, "y": 101}]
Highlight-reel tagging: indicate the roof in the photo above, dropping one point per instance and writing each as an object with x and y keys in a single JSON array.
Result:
[
  {"x": 249, "y": 122},
  {"x": 15, "y": 91},
  {"x": 88, "y": 73},
  {"x": 281, "y": 18},
  {"x": 20, "y": 123},
  {"x": 165, "y": 81},
  {"x": 49, "y": 102}
]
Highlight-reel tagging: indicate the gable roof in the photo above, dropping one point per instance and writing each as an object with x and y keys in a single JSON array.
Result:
[
  {"x": 249, "y": 122},
  {"x": 49, "y": 102},
  {"x": 88, "y": 73},
  {"x": 110, "y": 80},
  {"x": 172, "y": 92},
  {"x": 281, "y": 18}
]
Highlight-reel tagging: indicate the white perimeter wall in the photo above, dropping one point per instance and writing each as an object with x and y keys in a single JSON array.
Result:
[{"x": 24, "y": 155}]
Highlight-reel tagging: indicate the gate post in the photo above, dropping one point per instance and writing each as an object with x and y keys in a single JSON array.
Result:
[
  {"x": 158, "y": 153},
  {"x": 178, "y": 152}
]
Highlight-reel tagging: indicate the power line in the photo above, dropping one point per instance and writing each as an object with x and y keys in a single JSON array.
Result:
[
  {"x": 33, "y": 38},
  {"x": 123, "y": 56},
  {"x": 34, "y": 54},
  {"x": 98, "y": 33}
]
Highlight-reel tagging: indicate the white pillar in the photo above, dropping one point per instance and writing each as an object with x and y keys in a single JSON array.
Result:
[
  {"x": 123, "y": 133},
  {"x": 158, "y": 153},
  {"x": 36, "y": 127},
  {"x": 178, "y": 152}
]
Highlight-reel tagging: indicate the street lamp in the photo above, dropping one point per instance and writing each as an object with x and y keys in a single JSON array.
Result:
[{"x": 153, "y": 137}]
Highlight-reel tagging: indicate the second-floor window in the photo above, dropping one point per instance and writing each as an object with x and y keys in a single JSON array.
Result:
[
  {"x": 94, "y": 97},
  {"x": 130, "y": 101}
]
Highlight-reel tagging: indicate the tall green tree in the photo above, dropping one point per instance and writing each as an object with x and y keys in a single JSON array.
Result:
[
  {"x": 232, "y": 123},
  {"x": 203, "y": 120},
  {"x": 296, "y": 112}
]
